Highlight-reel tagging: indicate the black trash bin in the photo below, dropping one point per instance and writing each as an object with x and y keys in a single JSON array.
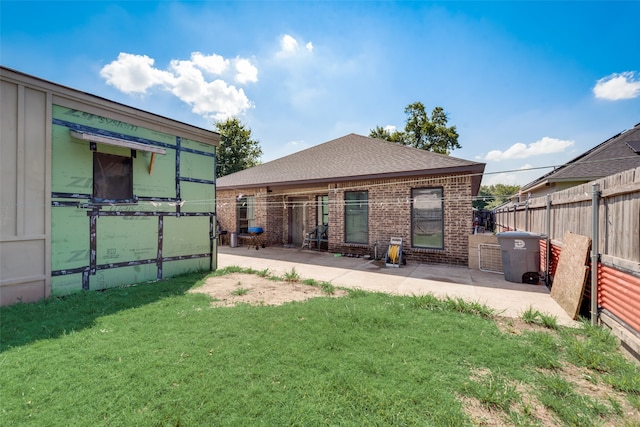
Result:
[{"x": 520, "y": 256}]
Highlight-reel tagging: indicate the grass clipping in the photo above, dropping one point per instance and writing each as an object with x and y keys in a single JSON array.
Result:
[{"x": 241, "y": 288}]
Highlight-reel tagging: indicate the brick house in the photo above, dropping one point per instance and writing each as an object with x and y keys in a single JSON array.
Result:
[{"x": 366, "y": 191}]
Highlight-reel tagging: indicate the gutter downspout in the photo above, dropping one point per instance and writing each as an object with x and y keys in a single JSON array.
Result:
[{"x": 594, "y": 254}]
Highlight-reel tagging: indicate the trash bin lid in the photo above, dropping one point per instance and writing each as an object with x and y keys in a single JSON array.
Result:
[{"x": 519, "y": 235}]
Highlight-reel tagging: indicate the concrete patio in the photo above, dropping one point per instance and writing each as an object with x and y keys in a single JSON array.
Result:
[{"x": 507, "y": 298}]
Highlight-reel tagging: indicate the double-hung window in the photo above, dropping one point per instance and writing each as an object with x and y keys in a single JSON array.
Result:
[
  {"x": 356, "y": 221},
  {"x": 427, "y": 218}
]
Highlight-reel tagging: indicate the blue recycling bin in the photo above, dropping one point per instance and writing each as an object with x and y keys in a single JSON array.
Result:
[{"x": 520, "y": 256}]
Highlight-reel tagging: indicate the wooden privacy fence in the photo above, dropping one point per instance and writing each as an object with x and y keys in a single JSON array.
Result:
[{"x": 606, "y": 210}]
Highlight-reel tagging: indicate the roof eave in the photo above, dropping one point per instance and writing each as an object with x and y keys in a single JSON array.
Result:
[
  {"x": 537, "y": 186},
  {"x": 475, "y": 171},
  {"x": 89, "y": 103},
  {"x": 549, "y": 182}
]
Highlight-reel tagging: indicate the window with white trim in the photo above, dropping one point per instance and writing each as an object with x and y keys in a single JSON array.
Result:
[
  {"x": 246, "y": 213},
  {"x": 356, "y": 217},
  {"x": 427, "y": 218}
]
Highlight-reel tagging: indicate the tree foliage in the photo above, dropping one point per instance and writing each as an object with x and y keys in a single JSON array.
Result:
[
  {"x": 492, "y": 196},
  {"x": 422, "y": 131},
  {"x": 237, "y": 151},
  {"x": 382, "y": 133}
]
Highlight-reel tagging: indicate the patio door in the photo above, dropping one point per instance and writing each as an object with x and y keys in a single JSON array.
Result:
[{"x": 297, "y": 214}]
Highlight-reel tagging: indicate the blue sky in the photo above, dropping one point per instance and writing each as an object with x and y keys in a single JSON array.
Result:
[{"x": 527, "y": 84}]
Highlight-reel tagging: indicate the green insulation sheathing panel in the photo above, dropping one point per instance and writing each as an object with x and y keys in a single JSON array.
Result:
[
  {"x": 184, "y": 236},
  {"x": 165, "y": 232}
]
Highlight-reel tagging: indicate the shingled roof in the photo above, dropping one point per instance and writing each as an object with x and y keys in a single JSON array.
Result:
[
  {"x": 351, "y": 157},
  {"x": 619, "y": 153}
]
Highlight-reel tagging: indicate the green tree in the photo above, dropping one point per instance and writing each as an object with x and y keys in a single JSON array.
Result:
[
  {"x": 237, "y": 151},
  {"x": 422, "y": 131},
  {"x": 382, "y": 133},
  {"x": 492, "y": 196}
]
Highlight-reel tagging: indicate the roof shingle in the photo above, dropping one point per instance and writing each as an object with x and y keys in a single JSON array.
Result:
[
  {"x": 347, "y": 158},
  {"x": 610, "y": 157}
]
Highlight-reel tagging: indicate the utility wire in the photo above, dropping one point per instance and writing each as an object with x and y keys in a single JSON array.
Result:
[{"x": 261, "y": 198}]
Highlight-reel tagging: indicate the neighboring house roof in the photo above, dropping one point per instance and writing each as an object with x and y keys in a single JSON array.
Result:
[
  {"x": 617, "y": 154},
  {"x": 351, "y": 157}
]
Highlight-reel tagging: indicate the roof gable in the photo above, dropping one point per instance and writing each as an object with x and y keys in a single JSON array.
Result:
[
  {"x": 347, "y": 158},
  {"x": 614, "y": 155}
]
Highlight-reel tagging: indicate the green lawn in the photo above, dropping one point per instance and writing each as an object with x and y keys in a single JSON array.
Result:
[{"x": 153, "y": 354}]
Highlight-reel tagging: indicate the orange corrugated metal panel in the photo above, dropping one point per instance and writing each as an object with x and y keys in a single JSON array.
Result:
[
  {"x": 619, "y": 293},
  {"x": 543, "y": 255},
  {"x": 555, "y": 256}
]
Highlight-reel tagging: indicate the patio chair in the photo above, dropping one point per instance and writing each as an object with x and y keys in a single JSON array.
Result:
[
  {"x": 317, "y": 236},
  {"x": 309, "y": 237},
  {"x": 322, "y": 235}
]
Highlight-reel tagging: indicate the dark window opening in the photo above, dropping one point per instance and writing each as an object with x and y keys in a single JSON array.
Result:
[
  {"x": 322, "y": 214},
  {"x": 112, "y": 178}
]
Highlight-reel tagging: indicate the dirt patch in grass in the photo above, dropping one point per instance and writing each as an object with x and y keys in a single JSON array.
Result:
[
  {"x": 240, "y": 288},
  {"x": 528, "y": 407},
  {"x": 517, "y": 326}
]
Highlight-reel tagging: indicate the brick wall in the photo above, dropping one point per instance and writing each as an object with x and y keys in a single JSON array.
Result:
[
  {"x": 226, "y": 209},
  {"x": 389, "y": 215}
]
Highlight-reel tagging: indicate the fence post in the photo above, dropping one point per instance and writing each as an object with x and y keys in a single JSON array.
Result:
[
  {"x": 506, "y": 214},
  {"x": 594, "y": 253}
]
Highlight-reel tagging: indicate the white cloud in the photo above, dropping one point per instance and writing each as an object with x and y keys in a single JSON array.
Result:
[
  {"x": 246, "y": 71},
  {"x": 134, "y": 73},
  {"x": 618, "y": 86},
  {"x": 519, "y": 150},
  {"x": 390, "y": 128},
  {"x": 213, "y": 64},
  {"x": 213, "y": 99},
  {"x": 289, "y": 47}
]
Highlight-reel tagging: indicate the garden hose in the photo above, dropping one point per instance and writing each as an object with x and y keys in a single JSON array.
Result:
[{"x": 394, "y": 252}]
